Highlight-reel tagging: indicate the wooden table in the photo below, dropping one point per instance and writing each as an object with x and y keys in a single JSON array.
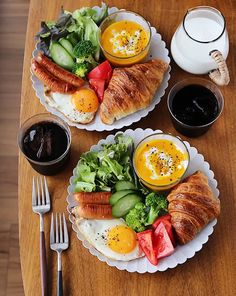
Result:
[{"x": 212, "y": 271}]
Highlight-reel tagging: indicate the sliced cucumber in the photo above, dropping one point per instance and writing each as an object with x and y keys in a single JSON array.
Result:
[
  {"x": 61, "y": 56},
  {"x": 124, "y": 205},
  {"x": 118, "y": 195},
  {"x": 124, "y": 185},
  {"x": 67, "y": 45}
]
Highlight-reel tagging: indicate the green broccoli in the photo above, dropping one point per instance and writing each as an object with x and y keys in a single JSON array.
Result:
[
  {"x": 84, "y": 48},
  {"x": 89, "y": 60},
  {"x": 84, "y": 51},
  {"x": 157, "y": 204},
  {"x": 81, "y": 69},
  {"x": 136, "y": 218}
]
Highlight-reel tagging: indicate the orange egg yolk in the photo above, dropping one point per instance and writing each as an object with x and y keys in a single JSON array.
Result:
[
  {"x": 121, "y": 239},
  {"x": 85, "y": 100}
]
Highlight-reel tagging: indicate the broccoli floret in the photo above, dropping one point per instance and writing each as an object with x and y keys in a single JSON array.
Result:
[
  {"x": 157, "y": 203},
  {"x": 81, "y": 69},
  {"x": 89, "y": 60},
  {"x": 136, "y": 218},
  {"x": 83, "y": 49}
]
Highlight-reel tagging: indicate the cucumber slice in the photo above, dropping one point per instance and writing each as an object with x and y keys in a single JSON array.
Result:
[
  {"x": 124, "y": 205},
  {"x": 124, "y": 185},
  {"x": 61, "y": 56},
  {"x": 118, "y": 195},
  {"x": 67, "y": 45}
]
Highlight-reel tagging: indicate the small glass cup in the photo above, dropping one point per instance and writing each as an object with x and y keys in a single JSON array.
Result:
[
  {"x": 121, "y": 16},
  {"x": 190, "y": 130},
  {"x": 160, "y": 136},
  {"x": 54, "y": 166}
]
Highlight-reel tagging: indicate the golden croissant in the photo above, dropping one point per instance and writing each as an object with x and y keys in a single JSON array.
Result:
[
  {"x": 131, "y": 89},
  {"x": 192, "y": 205}
]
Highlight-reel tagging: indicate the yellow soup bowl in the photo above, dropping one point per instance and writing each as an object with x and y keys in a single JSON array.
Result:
[
  {"x": 160, "y": 161},
  {"x": 124, "y": 38}
]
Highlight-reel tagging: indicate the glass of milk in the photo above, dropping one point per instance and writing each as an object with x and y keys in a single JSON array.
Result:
[{"x": 202, "y": 31}]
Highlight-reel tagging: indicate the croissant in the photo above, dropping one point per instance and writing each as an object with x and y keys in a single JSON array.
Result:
[
  {"x": 192, "y": 205},
  {"x": 131, "y": 89}
]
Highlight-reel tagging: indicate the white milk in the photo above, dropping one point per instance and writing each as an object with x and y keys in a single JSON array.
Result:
[
  {"x": 203, "y": 29},
  {"x": 203, "y": 26}
]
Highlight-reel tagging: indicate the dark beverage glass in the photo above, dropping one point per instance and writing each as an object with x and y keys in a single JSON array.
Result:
[
  {"x": 45, "y": 141},
  {"x": 207, "y": 93}
]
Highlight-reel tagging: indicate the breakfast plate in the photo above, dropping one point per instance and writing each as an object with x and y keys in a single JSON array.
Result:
[
  {"x": 157, "y": 50},
  {"x": 181, "y": 253}
]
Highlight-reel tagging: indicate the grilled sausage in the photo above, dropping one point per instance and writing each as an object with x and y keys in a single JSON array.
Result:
[
  {"x": 93, "y": 197},
  {"x": 58, "y": 71},
  {"x": 50, "y": 80},
  {"x": 93, "y": 211}
]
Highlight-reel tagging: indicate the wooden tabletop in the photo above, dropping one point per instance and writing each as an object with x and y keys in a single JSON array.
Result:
[{"x": 212, "y": 271}]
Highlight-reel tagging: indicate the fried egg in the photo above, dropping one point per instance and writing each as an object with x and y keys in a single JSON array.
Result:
[
  {"x": 113, "y": 238},
  {"x": 80, "y": 107}
]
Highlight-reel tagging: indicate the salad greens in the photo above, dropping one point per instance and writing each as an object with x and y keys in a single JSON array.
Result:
[
  {"x": 75, "y": 27},
  {"x": 100, "y": 170},
  {"x": 145, "y": 213},
  {"x": 96, "y": 16}
]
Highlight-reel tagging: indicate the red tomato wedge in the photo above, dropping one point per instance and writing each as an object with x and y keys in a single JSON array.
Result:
[
  {"x": 102, "y": 71},
  {"x": 166, "y": 221},
  {"x": 98, "y": 86},
  {"x": 145, "y": 239},
  {"x": 162, "y": 242},
  {"x": 166, "y": 217}
]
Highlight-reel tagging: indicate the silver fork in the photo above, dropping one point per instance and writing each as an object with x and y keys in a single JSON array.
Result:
[
  {"x": 41, "y": 205},
  {"x": 59, "y": 244}
]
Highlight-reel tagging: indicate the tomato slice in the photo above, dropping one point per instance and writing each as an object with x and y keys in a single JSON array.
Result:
[
  {"x": 145, "y": 239},
  {"x": 166, "y": 221},
  {"x": 98, "y": 86},
  {"x": 102, "y": 71},
  {"x": 162, "y": 242}
]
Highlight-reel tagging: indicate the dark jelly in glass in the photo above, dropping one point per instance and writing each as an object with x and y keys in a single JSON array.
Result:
[
  {"x": 194, "y": 105},
  {"x": 45, "y": 141}
]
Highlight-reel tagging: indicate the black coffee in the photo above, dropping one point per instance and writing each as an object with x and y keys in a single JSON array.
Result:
[
  {"x": 195, "y": 105},
  {"x": 45, "y": 141}
]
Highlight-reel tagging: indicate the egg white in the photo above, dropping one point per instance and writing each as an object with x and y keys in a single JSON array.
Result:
[
  {"x": 62, "y": 102},
  {"x": 96, "y": 231}
]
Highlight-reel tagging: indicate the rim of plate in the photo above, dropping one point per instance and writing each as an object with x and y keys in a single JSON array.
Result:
[
  {"x": 118, "y": 124},
  {"x": 191, "y": 248}
]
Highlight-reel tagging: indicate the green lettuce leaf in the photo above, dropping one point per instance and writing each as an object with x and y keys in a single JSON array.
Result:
[{"x": 100, "y": 170}]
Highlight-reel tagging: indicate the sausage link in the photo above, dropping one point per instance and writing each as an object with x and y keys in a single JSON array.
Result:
[
  {"x": 51, "y": 81},
  {"x": 93, "y": 197},
  {"x": 93, "y": 211},
  {"x": 58, "y": 71}
]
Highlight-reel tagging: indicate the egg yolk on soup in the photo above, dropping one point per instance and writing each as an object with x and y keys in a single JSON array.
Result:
[
  {"x": 124, "y": 39},
  {"x": 160, "y": 162},
  {"x": 85, "y": 100},
  {"x": 121, "y": 239}
]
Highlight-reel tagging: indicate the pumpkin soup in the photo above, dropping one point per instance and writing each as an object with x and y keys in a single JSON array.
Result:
[
  {"x": 126, "y": 40},
  {"x": 161, "y": 161}
]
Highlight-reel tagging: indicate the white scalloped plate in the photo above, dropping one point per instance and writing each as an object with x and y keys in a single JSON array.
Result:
[
  {"x": 157, "y": 50},
  {"x": 181, "y": 253}
]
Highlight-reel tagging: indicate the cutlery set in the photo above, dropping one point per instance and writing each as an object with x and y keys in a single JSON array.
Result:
[{"x": 59, "y": 239}]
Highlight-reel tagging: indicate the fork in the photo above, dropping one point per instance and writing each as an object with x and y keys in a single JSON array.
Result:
[
  {"x": 41, "y": 205},
  {"x": 59, "y": 244}
]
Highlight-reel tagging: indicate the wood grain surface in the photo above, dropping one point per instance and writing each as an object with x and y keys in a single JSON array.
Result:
[
  {"x": 212, "y": 271},
  {"x": 13, "y": 22}
]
